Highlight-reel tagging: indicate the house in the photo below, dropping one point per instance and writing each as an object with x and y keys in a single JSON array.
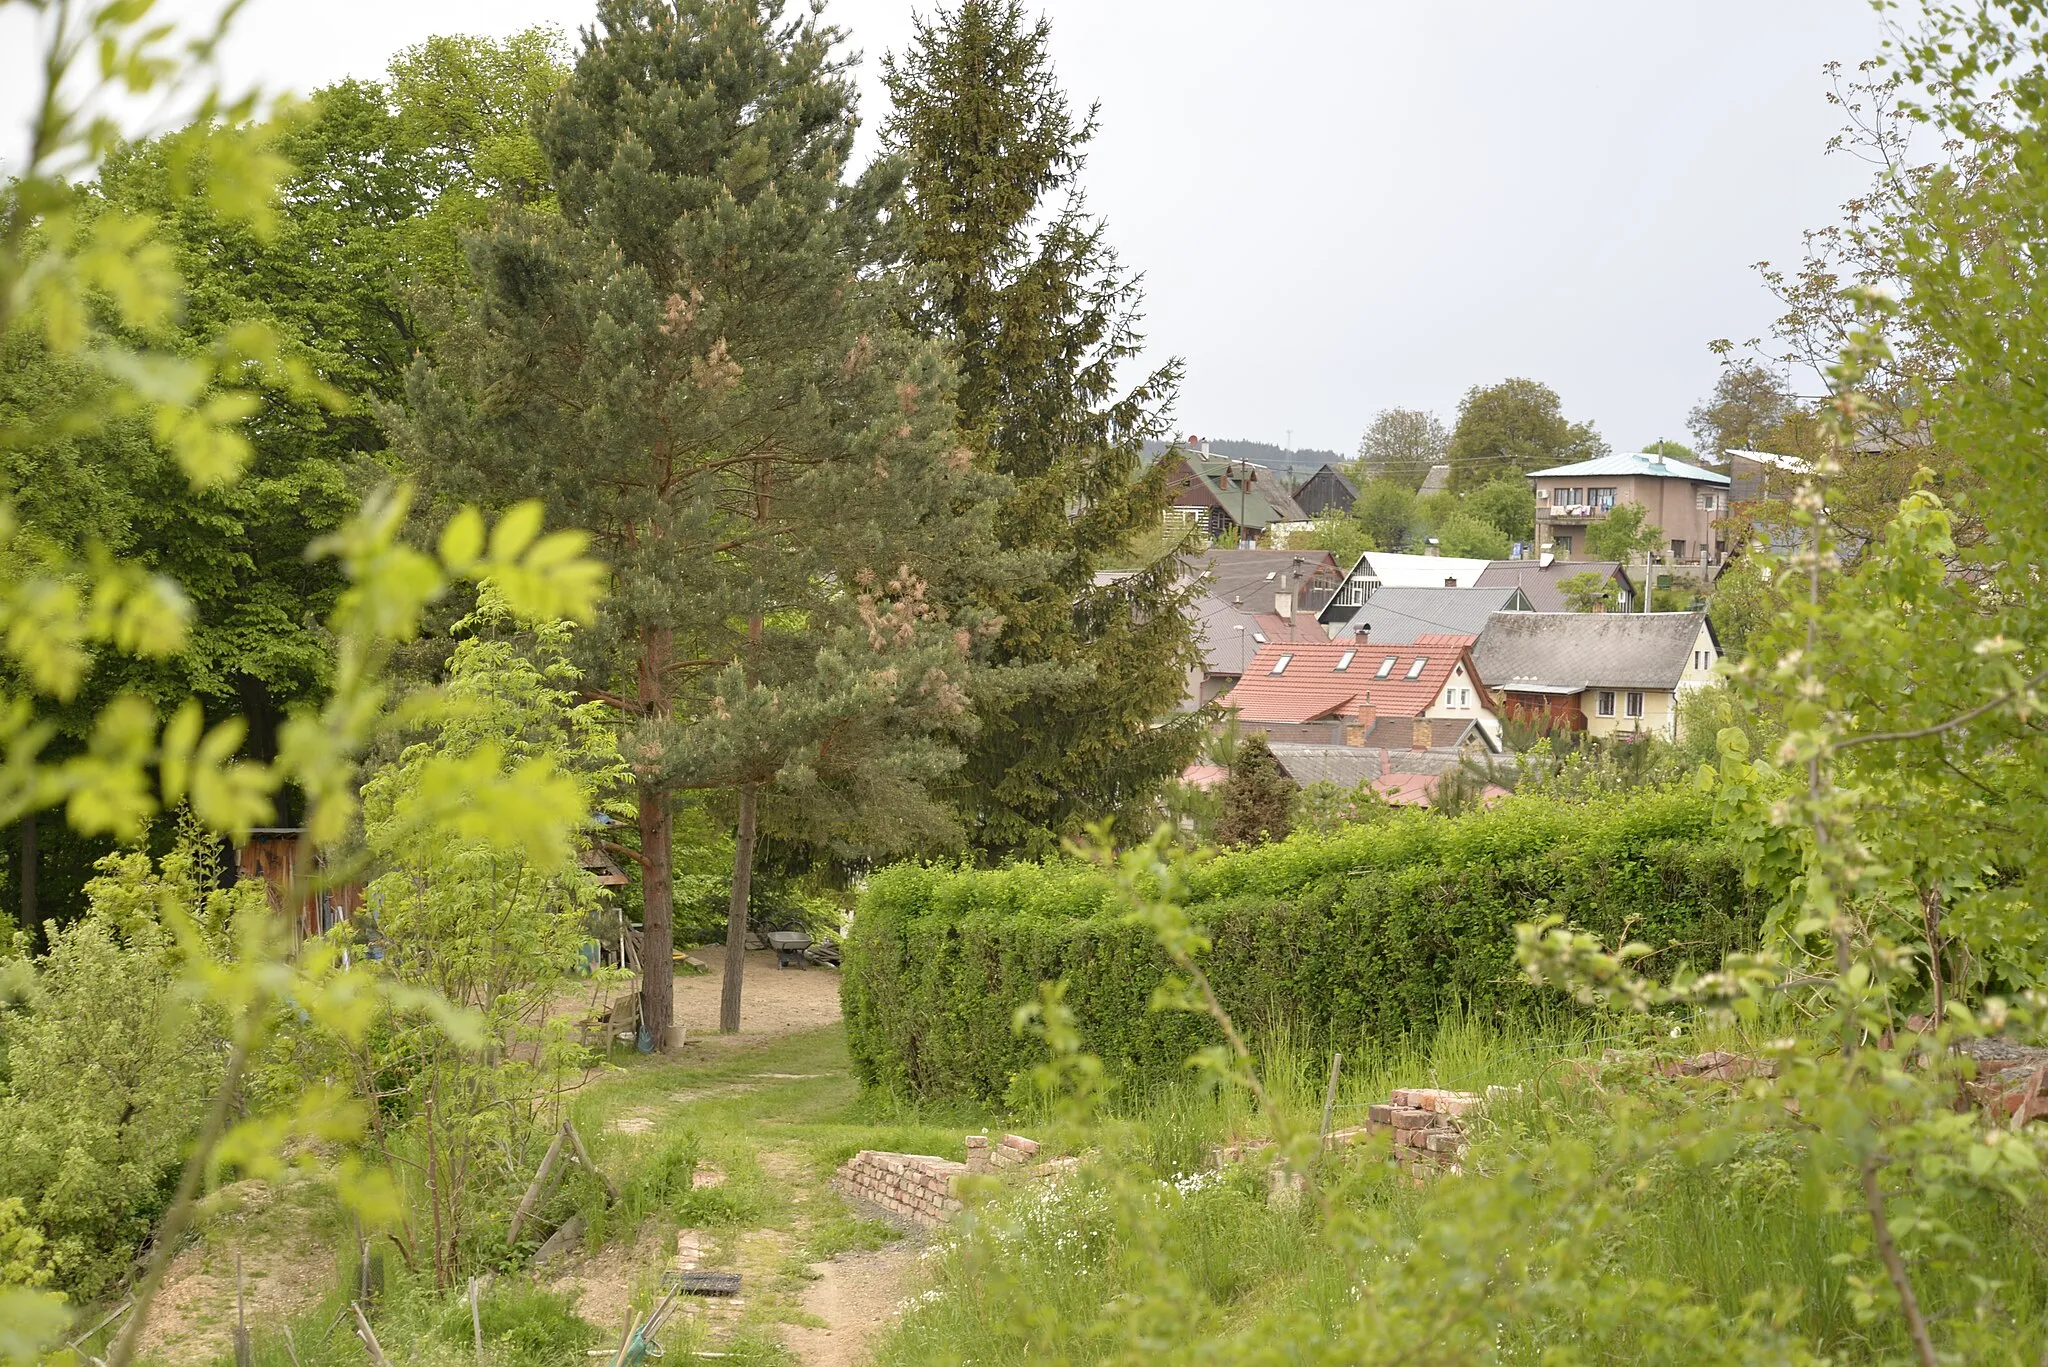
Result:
[
  {"x": 1760, "y": 476},
  {"x": 1386, "y": 569},
  {"x": 1232, "y": 501},
  {"x": 1424, "y": 695},
  {"x": 1397, "y": 616},
  {"x": 1539, "y": 581},
  {"x": 1406, "y": 778},
  {"x": 1326, "y": 491},
  {"x": 1249, "y": 599},
  {"x": 1684, "y": 500},
  {"x": 1437, "y": 481},
  {"x": 1601, "y": 673}
]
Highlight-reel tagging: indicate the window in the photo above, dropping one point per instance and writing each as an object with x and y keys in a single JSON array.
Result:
[
  {"x": 1344, "y": 661},
  {"x": 1635, "y": 705},
  {"x": 1259, "y": 636},
  {"x": 1600, "y": 498},
  {"x": 1353, "y": 594},
  {"x": 1605, "y": 704},
  {"x": 1709, "y": 499},
  {"x": 1280, "y": 665},
  {"x": 1457, "y": 697},
  {"x": 1415, "y": 670},
  {"x": 1386, "y": 668}
]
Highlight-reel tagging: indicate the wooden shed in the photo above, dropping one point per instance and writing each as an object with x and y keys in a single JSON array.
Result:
[{"x": 272, "y": 854}]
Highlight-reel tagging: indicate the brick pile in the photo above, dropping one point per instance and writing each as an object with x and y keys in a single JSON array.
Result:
[
  {"x": 1011, "y": 1151},
  {"x": 910, "y": 1186},
  {"x": 1427, "y": 1125}
]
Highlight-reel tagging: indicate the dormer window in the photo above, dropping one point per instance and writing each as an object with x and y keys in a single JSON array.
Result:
[
  {"x": 1386, "y": 668},
  {"x": 1421, "y": 663},
  {"x": 1280, "y": 665},
  {"x": 1344, "y": 661}
]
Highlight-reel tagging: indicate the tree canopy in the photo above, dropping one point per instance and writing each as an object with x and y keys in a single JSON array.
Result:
[{"x": 1512, "y": 428}]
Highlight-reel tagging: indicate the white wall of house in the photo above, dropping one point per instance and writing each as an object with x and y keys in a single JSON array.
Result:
[
  {"x": 1459, "y": 700},
  {"x": 1699, "y": 666}
]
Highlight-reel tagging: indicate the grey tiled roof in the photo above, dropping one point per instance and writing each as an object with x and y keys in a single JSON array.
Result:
[
  {"x": 1397, "y": 616},
  {"x": 1586, "y": 649},
  {"x": 1540, "y": 582}
]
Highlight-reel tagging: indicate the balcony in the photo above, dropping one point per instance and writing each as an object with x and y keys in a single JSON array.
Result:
[{"x": 1577, "y": 514}]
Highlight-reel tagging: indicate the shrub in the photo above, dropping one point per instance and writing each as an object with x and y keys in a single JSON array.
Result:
[{"x": 1377, "y": 933}]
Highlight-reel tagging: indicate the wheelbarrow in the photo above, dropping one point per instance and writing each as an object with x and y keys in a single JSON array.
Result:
[{"x": 789, "y": 947}]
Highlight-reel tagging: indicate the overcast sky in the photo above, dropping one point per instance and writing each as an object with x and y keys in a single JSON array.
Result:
[{"x": 1345, "y": 205}]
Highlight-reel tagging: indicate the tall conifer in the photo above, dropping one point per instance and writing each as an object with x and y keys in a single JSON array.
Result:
[
  {"x": 692, "y": 362},
  {"x": 1079, "y": 720}
]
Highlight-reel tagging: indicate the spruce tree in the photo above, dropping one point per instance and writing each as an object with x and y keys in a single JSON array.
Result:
[
  {"x": 1079, "y": 719},
  {"x": 1258, "y": 797},
  {"x": 693, "y": 361}
]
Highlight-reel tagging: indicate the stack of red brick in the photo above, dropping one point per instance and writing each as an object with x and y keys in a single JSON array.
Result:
[
  {"x": 913, "y": 1186},
  {"x": 1427, "y": 1124},
  {"x": 1012, "y": 1151}
]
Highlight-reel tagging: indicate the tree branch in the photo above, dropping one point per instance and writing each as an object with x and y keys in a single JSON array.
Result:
[{"x": 1960, "y": 719}]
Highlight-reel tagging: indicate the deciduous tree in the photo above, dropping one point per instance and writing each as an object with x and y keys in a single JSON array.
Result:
[
  {"x": 1401, "y": 445},
  {"x": 1512, "y": 428}
]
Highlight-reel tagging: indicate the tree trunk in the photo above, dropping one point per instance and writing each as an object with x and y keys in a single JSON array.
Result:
[
  {"x": 736, "y": 918},
  {"x": 30, "y": 920},
  {"x": 657, "y": 907}
]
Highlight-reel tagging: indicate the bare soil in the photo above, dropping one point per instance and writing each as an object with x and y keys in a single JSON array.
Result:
[
  {"x": 193, "y": 1317},
  {"x": 773, "y": 1001},
  {"x": 856, "y": 1295}
]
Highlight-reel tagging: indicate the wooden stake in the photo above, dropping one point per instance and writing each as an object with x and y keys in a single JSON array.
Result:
[
  {"x": 625, "y": 1343},
  {"x": 291, "y": 1347},
  {"x": 583, "y": 1157},
  {"x": 1330, "y": 1094},
  {"x": 476, "y": 1322},
  {"x": 369, "y": 1336},
  {"x": 245, "y": 1352},
  {"x": 534, "y": 1188}
]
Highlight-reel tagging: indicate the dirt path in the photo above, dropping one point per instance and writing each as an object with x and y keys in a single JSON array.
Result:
[
  {"x": 774, "y": 1001},
  {"x": 857, "y": 1295}
]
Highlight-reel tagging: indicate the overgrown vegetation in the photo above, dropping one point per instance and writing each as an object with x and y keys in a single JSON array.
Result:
[{"x": 1374, "y": 934}]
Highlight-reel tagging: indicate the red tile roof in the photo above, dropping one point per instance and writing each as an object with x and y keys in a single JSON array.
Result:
[{"x": 1312, "y": 686}]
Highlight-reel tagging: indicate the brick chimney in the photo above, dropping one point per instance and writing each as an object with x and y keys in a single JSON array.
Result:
[
  {"x": 1422, "y": 735},
  {"x": 1359, "y": 724}
]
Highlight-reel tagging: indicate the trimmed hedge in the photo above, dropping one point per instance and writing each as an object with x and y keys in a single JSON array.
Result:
[{"x": 1372, "y": 934}]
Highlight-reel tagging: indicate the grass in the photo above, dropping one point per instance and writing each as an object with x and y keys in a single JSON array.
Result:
[{"x": 1588, "y": 1227}]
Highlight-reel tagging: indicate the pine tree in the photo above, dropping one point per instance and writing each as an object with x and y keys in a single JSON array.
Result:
[
  {"x": 1022, "y": 283},
  {"x": 1258, "y": 798},
  {"x": 692, "y": 362}
]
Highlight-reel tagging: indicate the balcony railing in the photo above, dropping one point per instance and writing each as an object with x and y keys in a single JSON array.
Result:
[{"x": 1572, "y": 512}]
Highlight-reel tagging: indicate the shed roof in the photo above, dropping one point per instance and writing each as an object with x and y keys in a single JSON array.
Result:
[
  {"x": 1435, "y": 482},
  {"x": 1397, "y": 616},
  {"x": 1553, "y": 651},
  {"x": 1634, "y": 463},
  {"x": 1540, "y": 580}
]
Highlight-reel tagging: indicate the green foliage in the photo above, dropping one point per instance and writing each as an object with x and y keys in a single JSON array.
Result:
[
  {"x": 1078, "y": 720},
  {"x": 1386, "y": 511},
  {"x": 1746, "y": 412},
  {"x": 1371, "y": 934},
  {"x": 1512, "y": 428},
  {"x": 1625, "y": 534},
  {"x": 766, "y": 457},
  {"x": 1258, "y": 798},
  {"x": 1341, "y": 534},
  {"x": 1589, "y": 591},
  {"x": 1326, "y": 809},
  {"x": 1508, "y": 505},
  {"x": 1463, "y": 534},
  {"x": 106, "y": 1065},
  {"x": 1747, "y": 599},
  {"x": 523, "y": 1326}
]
